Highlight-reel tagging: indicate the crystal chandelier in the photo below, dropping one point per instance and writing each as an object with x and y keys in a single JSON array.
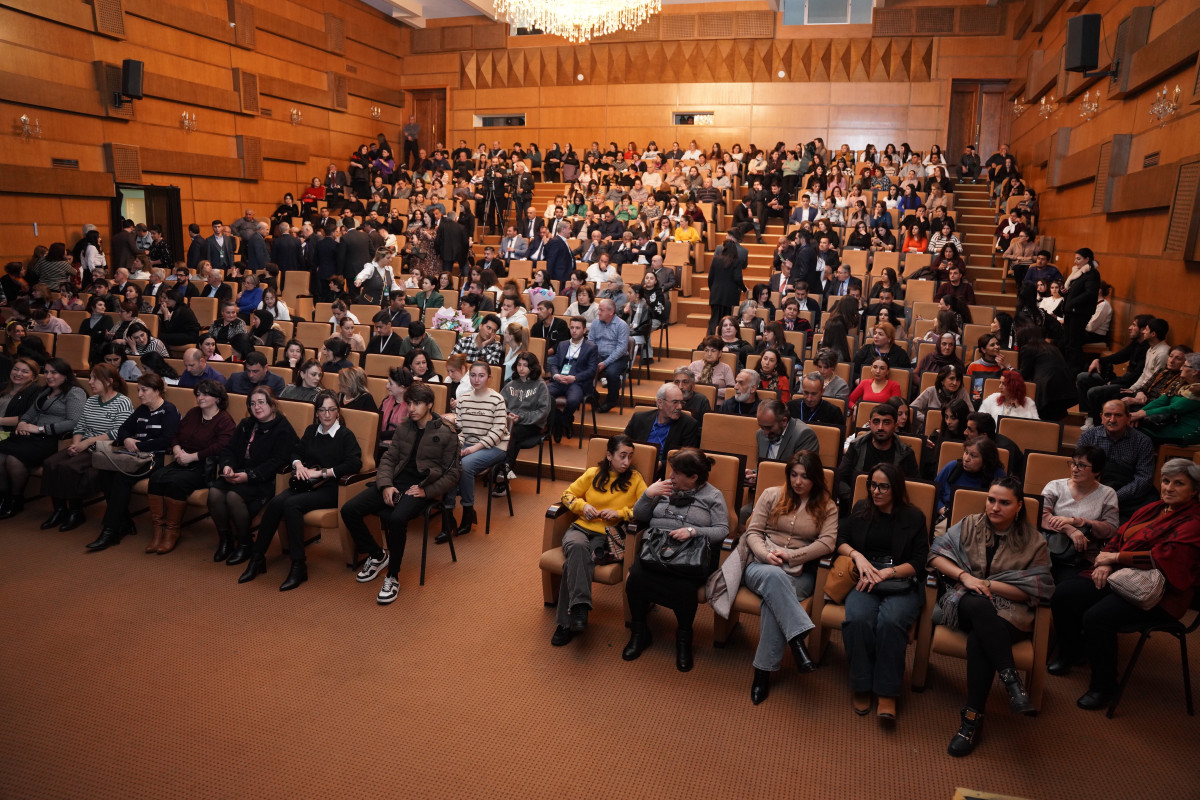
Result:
[
  {"x": 1088, "y": 107},
  {"x": 577, "y": 21},
  {"x": 1046, "y": 109},
  {"x": 1164, "y": 107},
  {"x": 1018, "y": 107}
]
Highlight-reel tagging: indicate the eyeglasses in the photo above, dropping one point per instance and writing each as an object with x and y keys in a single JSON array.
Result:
[
  {"x": 327, "y": 410},
  {"x": 1080, "y": 465},
  {"x": 254, "y": 403},
  {"x": 878, "y": 487}
]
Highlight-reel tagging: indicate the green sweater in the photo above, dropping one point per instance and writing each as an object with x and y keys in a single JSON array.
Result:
[{"x": 1174, "y": 418}]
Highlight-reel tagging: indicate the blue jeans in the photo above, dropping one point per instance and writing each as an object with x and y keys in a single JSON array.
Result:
[
  {"x": 472, "y": 465},
  {"x": 782, "y": 617},
  {"x": 875, "y": 635}
]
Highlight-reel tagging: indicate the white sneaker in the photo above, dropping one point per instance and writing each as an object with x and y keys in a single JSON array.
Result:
[
  {"x": 512, "y": 476},
  {"x": 389, "y": 590},
  {"x": 1087, "y": 424},
  {"x": 371, "y": 567}
]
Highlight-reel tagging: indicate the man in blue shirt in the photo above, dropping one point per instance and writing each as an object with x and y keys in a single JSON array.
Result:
[
  {"x": 254, "y": 373},
  {"x": 196, "y": 369},
  {"x": 610, "y": 334}
]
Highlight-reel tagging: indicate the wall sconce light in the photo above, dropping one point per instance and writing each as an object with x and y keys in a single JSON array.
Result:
[
  {"x": 29, "y": 129},
  {"x": 1046, "y": 109},
  {"x": 296, "y": 116},
  {"x": 1088, "y": 107},
  {"x": 376, "y": 112},
  {"x": 1019, "y": 107},
  {"x": 1164, "y": 108},
  {"x": 188, "y": 121}
]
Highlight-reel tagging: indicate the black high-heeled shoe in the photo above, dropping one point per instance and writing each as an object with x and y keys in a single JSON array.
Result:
[
  {"x": 257, "y": 566},
  {"x": 56, "y": 518},
  {"x": 297, "y": 575},
  {"x": 761, "y": 686},
  {"x": 107, "y": 538},
  {"x": 804, "y": 662},
  {"x": 14, "y": 506},
  {"x": 74, "y": 516}
]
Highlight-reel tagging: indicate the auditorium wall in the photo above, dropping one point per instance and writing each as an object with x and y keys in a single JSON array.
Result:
[
  {"x": 240, "y": 67},
  {"x": 1120, "y": 183}
]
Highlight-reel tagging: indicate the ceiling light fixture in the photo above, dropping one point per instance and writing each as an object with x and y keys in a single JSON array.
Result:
[{"x": 577, "y": 21}]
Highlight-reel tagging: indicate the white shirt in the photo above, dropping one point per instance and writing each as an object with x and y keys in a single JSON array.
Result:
[
  {"x": 994, "y": 404},
  {"x": 691, "y": 155},
  {"x": 333, "y": 320},
  {"x": 597, "y": 275},
  {"x": 1101, "y": 321},
  {"x": 389, "y": 277},
  {"x": 517, "y": 317}
]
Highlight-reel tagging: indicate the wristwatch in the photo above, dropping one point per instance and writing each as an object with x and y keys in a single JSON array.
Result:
[{"x": 691, "y": 530}]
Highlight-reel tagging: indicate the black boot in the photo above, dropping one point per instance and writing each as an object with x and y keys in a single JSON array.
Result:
[
  {"x": 468, "y": 520},
  {"x": 296, "y": 576},
  {"x": 803, "y": 660},
  {"x": 241, "y": 554},
  {"x": 107, "y": 538},
  {"x": 761, "y": 686},
  {"x": 256, "y": 566},
  {"x": 969, "y": 733},
  {"x": 449, "y": 526},
  {"x": 683, "y": 649},
  {"x": 224, "y": 546},
  {"x": 74, "y": 516},
  {"x": 1018, "y": 700},
  {"x": 56, "y": 518},
  {"x": 14, "y": 506},
  {"x": 639, "y": 640}
]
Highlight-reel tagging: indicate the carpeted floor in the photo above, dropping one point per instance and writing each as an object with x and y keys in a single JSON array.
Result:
[{"x": 132, "y": 676}]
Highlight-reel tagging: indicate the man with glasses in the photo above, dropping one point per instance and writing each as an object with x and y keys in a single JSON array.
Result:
[
  {"x": 255, "y": 373},
  {"x": 693, "y": 402},
  {"x": 879, "y": 445},
  {"x": 572, "y": 371},
  {"x": 667, "y": 427},
  {"x": 196, "y": 369}
]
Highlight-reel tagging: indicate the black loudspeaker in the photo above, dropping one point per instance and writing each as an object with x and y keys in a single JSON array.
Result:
[
  {"x": 1083, "y": 43},
  {"x": 131, "y": 78}
]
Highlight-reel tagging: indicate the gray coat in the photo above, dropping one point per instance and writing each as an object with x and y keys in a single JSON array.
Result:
[
  {"x": 796, "y": 436},
  {"x": 708, "y": 513}
]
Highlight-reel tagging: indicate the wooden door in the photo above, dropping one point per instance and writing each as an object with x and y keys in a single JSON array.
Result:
[
  {"x": 977, "y": 116},
  {"x": 429, "y": 107}
]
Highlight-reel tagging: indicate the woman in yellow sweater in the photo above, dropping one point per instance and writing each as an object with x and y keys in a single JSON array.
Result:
[{"x": 603, "y": 495}]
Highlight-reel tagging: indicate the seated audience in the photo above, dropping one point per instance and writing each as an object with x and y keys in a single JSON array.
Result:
[
  {"x": 882, "y": 445},
  {"x": 1011, "y": 400},
  {"x": 1129, "y": 467},
  {"x": 1079, "y": 514}
]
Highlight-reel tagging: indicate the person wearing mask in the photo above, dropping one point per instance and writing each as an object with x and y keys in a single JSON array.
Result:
[
  {"x": 997, "y": 570},
  {"x": 327, "y": 452},
  {"x": 886, "y": 537}
]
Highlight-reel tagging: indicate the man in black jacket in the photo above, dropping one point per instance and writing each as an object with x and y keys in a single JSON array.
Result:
[
  {"x": 353, "y": 252},
  {"x": 810, "y": 406},
  {"x": 198, "y": 249},
  {"x": 286, "y": 250},
  {"x": 879, "y": 445},
  {"x": 667, "y": 428},
  {"x": 549, "y": 327},
  {"x": 450, "y": 243}
]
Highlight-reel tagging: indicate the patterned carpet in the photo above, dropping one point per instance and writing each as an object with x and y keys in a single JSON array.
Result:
[{"x": 133, "y": 676}]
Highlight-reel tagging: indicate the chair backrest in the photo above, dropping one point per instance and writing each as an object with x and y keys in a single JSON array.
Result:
[
  {"x": 445, "y": 339},
  {"x": 1041, "y": 468},
  {"x": 862, "y": 413},
  {"x": 964, "y": 502},
  {"x": 365, "y": 427},
  {"x": 645, "y": 456},
  {"x": 900, "y": 376},
  {"x": 1032, "y": 434},
  {"x": 774, "y": 473},
  {"x": 933, "y": 421},
  {"x": 830, "y": 440},
  {"x": 183, "y": 399},
  {"x": 379, "y": 365},
  {"x": 298, "y": 413},
  {"x": 728, "y": 433},
  {"x": 709, "y": 392},
  {"x": 842, "y": 370},
  {"x": 921, "y": 494},
  {"x": 205, "y": 308},
  {"x": 313, "y": 334},
  {"x": 74, "y": 347},
  {"x": 230, "y": 368},
  {"x": 919, "y": 291}
]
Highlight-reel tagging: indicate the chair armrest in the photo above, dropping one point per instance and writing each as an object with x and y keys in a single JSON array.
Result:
[
  {"x": 557, "y": 510},
  {"x": 558, "y": 519},
  {"x": 825, "y": 563},
  {"x": 357, "y": 477}
]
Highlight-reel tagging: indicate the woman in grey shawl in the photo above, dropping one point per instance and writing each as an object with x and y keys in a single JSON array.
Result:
[{"x": 997, "y": 569}]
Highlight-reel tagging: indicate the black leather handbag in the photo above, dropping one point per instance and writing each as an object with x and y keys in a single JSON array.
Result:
[{"x": 690, "y": 558}]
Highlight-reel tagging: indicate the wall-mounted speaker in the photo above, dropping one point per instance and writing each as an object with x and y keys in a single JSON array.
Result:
[
  {"x": 131, "y": 78},
  {"x": 1083, "y": 43}
]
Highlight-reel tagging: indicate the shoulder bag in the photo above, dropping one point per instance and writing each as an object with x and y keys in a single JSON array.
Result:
[
  {"x": 690, "y": 558},
  {"x": 107, "y": 458},
  {"x": 1141, "y": 587}
]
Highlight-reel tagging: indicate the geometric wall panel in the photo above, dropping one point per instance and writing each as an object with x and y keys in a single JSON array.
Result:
[
  {"x": 1181, "y": 222},
  {"x": 109, "y": 18}
]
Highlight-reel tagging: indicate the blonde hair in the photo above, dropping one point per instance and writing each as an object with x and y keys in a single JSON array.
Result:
[{"x": 352, "y": 381}]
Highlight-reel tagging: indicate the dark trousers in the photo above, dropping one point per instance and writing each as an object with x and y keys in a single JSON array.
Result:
[
  {"x": 1095, "y": 391},
  {"x": 644, "y": 587},
  {"x": 290, "y": 507},
  {"x": 410, "y": 152},
  {"x": 117, "y": 490},
  {"x": 69, "y": 477},
  {"x": 714, "y": 316},
  {"x": 990, "y": 638},
  {"x": 516, "y": 437},
  {"x": 1088, "y": 620},
  {"x": 177, "y": 482},
  {"x": 574, "y": 394},
  {"x": 395, "y": 519}
]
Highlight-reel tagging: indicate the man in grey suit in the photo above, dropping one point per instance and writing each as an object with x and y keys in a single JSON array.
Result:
[{"x": 779, "y": 437}]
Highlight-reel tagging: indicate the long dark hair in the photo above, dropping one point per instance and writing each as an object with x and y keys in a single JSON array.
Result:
[
  {"x": 987, "y": 451},
  {"x": 1022, "y": 530},
  {"x": 817, "y": 498},
  {"x": 604, "y": 470},
  {"x": 895, "y": 477}
]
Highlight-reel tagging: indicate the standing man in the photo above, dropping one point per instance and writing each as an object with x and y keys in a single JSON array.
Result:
[
  {"x": 451, "y": 243},
  {"x": 124, "y": 246},
  {"x": 198, "y": 249},
  {"x": 220, "y": 247},
  {"x": 557, "y": 253},
  {"x": 522, "y": 188},
  {"x": 255, "y": 255},
  {"x": 286, "y": 250},
  {"x": 411, "y": 133}
]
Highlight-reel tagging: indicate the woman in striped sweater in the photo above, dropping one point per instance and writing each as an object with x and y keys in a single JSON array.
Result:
[
  {"x": 482, "y": 420},
  {"x": 68, "y": 474}
]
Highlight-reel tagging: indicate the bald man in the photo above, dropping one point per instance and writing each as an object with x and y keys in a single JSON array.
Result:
[{"x": 196, "y": 369}]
